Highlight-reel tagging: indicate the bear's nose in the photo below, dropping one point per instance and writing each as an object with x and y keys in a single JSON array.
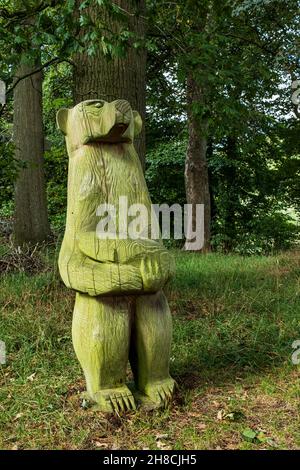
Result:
[
  {"x": 123, "y": 112},
  {"x": 123, "y": 106}
]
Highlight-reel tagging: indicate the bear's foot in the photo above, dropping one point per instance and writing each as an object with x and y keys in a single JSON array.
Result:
[
  {"x": 114, "y": 400},
  {"x": 157, "y": 394}
]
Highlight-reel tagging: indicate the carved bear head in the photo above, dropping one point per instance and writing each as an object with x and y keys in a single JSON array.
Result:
[{"x": 99, "y": 121}]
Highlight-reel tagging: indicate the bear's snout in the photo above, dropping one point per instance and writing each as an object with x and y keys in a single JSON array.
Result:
[
  {"x": 99, "y": 121},
  {"x": 112, "y": 123}
]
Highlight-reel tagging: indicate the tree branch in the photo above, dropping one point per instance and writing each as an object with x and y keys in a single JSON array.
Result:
[
  {"x": 56, "y": 60},
  {"x": 21, "y": 14}
]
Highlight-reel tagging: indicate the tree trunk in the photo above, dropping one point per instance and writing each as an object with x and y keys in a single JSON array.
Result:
[
  {"x": 31, "y": 223},
  {"x": 119, "y": 78},
  {"x": 231, "y": 201},
  {"x": 196, "y": 171},
  {"x": 213, "y": 206}
]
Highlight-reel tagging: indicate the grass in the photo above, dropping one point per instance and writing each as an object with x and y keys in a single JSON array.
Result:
[{"x": 235, "y": 320}]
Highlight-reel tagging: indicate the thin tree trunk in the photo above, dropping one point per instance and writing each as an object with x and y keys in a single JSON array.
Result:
[
  {"x": 213, "y": 206},
  {"x": 196, "y": 171},
  {"x": 119, "y": 78},
  {"x": 231, "y": 201},
  {"x": 31, "y": 223}
]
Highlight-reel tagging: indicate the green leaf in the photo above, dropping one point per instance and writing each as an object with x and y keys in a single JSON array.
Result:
[
  {"x": 261, "y": 437},
  {"x": 249, "y": 435}
]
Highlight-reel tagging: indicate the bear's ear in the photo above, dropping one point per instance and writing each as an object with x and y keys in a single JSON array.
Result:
[
  {"x": 61, "y": 119},
  {"x": 138, "y": 123}
]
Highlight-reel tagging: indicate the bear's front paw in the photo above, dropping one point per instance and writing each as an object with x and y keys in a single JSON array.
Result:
[
  {"x": 156, "y": 271},
  {"x": 130, "y": 279}
]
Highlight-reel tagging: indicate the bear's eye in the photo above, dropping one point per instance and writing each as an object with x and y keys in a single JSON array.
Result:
[{"x": 93, "y": 103}]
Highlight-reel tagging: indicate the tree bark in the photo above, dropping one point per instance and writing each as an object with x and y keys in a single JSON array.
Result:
[
  {"x": 31, "y": 223},
  {"x": 119, "y": 78},
  {"x": 196, "y": 171}
]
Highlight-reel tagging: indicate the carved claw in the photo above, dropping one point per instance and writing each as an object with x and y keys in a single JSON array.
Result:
[
  {"x": 115, "y": 400},
  {"x": 160, "y": 393}
]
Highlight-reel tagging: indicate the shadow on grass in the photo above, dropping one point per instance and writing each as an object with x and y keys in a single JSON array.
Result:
[
  {"x": 220, "y": 363},
  {"x": 235, "y": 318}
]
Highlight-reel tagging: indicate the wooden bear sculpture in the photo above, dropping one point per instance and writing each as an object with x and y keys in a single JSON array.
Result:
[{"x": 120, "y": 311}]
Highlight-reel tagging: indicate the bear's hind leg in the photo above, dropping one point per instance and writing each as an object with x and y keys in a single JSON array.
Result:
[
  {"x": 101, "y": 336},
  {"x": 150, "y": 350}
]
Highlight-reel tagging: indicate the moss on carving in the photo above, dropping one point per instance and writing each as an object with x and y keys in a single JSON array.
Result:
[{"x": 120, "y": 310}]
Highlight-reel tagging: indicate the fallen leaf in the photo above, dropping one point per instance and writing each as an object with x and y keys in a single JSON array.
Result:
[
  {"x": 18, "y": 416},
  {"x": 249, "y": 435},
  {"x": 257, "y": 436},
  {"x": 31, "y": 377},
  {"x": 103, "y": 445},
  {"x": 162, "y": 436},
  {"x": 260, "y": 437},
  {"x": 201, "y": 426},
  {"x": 235, "y": 415}
]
